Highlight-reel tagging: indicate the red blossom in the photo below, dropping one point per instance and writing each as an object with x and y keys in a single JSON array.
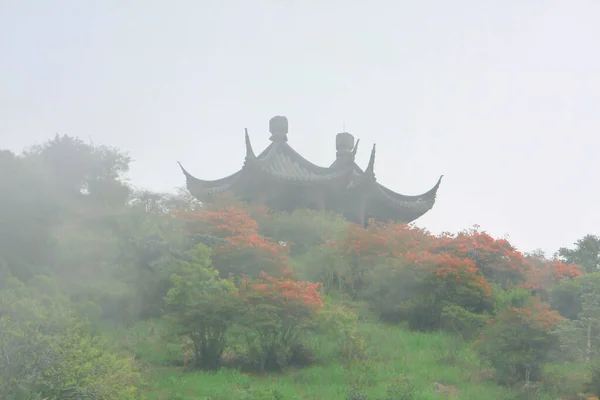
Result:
[
  {"x": 284, "y": 291},
  {"x": 545, "y": 272},
  {"x": 240, "y": 231}
]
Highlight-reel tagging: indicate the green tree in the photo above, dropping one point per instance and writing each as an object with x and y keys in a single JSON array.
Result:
[
  {"x": 586, "y": 253},
  {"x": 278, "y": 313},
  {"x": 580, "y": 336},
  {"x": 201, "y": 305},
  {"x": 28, "y": 211},
  {"x": 84, "y": 174},
  {"x": 47, "y": 351},
  {"x": 518, "y": 341}
]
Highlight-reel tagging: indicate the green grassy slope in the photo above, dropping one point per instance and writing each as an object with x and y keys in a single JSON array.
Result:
[{"x": 396, "y": 361}]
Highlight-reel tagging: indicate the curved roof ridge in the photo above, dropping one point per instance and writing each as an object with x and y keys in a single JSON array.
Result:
[
  {"x": 209, "y": 183},
  {"x": 306, "y": 163},
  {"x": 428, "y": 195}
]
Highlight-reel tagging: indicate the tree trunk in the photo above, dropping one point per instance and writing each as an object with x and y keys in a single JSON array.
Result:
[{"x": 588, "y": 348}]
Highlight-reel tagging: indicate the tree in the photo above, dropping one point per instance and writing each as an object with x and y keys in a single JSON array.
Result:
[
  {"x": 497, "y": 259},
  {"x": 302, "y": 230},
  {"x": 28, "y": 211},
  {"x": 518, "y": 340},
  {"x": 85, "y": 174},
  {"x": 586, "y": 253},
  {"x": 580, "y": 336},
  {"x": 47, "y": 350},
  {"x": 202, "y": 306},
  {"x": 278, "y": 311},
  {"x": 545, "y": 273},
  {"x": 239, "y": 249}
]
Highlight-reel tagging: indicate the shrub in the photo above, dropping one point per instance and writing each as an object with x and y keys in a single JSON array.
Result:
[
  {"x": 518, "y": 341},
  {"x": 242, "y": 250},
  {"x": 427, "y": 290},
  {"x": 202, "y": 306},
  {"x": 45, "y": 350},
  {"x": 496, "y": 259},
  {"x": 545, "y": 273},
  {"x": 341, "y": 323},
  {"x": 278, "y": 311},
  {"x": 593, "y": 386},
  {"x": 302, "y": 230}
]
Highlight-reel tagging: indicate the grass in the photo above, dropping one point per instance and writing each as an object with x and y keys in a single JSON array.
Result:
[{"x": 401, "y": 365}]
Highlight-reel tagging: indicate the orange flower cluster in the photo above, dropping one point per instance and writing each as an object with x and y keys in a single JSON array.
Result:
[
  {"x": 449, "y": 266},
  {"x": 496, "y": 258},
  {"x": 546, "y": 272},
  {"x": 538, "y": 312},
  {"x": 284, "y": 290},
  {"x": 447, "y": 256},
  {"x": 470, "y": 255},
  {"x": 240, "y": 231},
  {"x": 228, "y": 222},
  {"x": 381, "y": 240}
]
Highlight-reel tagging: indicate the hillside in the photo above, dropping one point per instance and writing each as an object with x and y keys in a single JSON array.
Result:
[{"x": 108, "y": 292}]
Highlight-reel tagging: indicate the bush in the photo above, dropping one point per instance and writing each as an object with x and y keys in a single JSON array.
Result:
[
  {"x": 430, "y": 291},
  {"x": 341, "y": 323},
  {"x": 519, "y": 340},
  {"x": 202, "y": 306},
  {"x": 242, "y": 250},
  {"x": 45, "y": 350},
  {"x": 278, "y": 312},
  {"x": 593, "y": 385}
]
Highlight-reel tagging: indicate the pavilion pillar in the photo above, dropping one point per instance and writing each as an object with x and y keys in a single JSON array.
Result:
[
  {"x": 320, "y": 202},
  {"x": 361, "y": 208}
]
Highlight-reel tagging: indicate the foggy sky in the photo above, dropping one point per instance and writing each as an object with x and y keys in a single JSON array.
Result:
[{"x": 501, "y": 97}]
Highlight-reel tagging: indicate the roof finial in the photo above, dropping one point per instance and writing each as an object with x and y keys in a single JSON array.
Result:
[
  {"x": 355, "y": 149},
  {"x": 278, "y": 126},
  {"x": 371, "y": 167},
  {"x": 249, "y": 151},
  {"x": 344, "y": 144}
]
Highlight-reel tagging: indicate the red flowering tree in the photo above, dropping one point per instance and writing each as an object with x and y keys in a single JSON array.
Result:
[
  {"x": 430, "y": 291},
  {"x": 279, "y": 311},
  {"x": 238, "y": 248},
  {"x": 496, "y": 259},
  {"x": 365, "y": 248},
  {"x": 407, "y": 274},
  {"x": 518, "y": 340},
  {"x": 545, "y": 273}
]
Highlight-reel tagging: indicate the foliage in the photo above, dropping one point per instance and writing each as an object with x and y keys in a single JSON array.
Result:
[
  {"x": 82, "y": 252},
  {"x": 586, "y": 253},
  {"x": 84, "y": 174},
  {"x": 496, "y": 259},
  {"x": 28, "y": 210},
  {"x": 407, "y": 274},
  {"x": 580, "y": 334},
  {"x": 518, "y": 340},
  {"x": 46, "y": 350},
  {"x": 244, "y": 251},
  {"x": 202, "y": 306},
  {"x": 341, "y": 322},
  {"x": 545, "y": 273},
  {"x": 302, "y": 230},
  {"x": 278, "y": 311}
]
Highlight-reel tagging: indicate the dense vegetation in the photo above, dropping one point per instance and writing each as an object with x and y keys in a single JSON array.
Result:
[{"x": 108, "y": 292}]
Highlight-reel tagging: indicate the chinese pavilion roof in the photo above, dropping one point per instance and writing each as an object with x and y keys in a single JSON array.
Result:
[{"x": 281, "y": 175}]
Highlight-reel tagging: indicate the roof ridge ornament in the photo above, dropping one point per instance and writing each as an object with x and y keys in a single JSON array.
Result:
[
  {"x": 371, "y": 167},
  {"x": 345, "y": 146},
  {"x": 355, "y": 149},
  {"x": 249, "y": 151},
  {"x": 278, "y": 126},
  {"x": 185, "y": 172}
]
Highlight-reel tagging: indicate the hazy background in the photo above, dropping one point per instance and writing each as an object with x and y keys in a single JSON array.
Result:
[{"x": 503, "y": 98}]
